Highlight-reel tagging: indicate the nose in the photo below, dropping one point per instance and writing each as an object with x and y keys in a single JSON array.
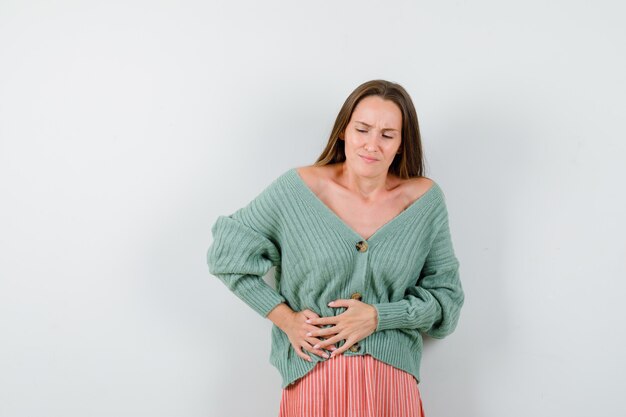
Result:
[
  {"x": 371, "y": 143},
  {"x": 373, "y": 137}
]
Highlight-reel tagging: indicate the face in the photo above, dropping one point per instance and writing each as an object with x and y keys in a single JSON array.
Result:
[{"x": 373, "y": 135}]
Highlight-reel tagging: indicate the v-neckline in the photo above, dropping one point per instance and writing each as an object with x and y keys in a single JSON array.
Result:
[{"x": 342, "y": 226}]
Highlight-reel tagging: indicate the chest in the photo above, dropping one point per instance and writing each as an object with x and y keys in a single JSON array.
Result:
[
  {"x": 354, "y": 216},
  {"x": 364, "y": 219}
]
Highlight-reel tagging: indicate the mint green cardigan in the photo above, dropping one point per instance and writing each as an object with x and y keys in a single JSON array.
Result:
[{"x": 407, "y": 270}]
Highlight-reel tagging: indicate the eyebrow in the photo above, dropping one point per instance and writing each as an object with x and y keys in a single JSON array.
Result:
[{"x": 363, "y": 123}]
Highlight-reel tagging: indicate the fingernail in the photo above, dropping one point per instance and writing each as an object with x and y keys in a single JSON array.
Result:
[
  {"x": 326, "y": 355},
  {"x": 308, "y": 334},
  {"x": 331, "y": 303},
  {"x": 308, "y": 320},
  {"x": 316, "y": 346}
]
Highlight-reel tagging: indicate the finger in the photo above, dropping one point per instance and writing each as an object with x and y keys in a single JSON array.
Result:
[
  {"x": 321, "y": 320},
  {"x": 320, "y": 339},
  {"x": 320, "y": 332},
  {"x": 318, "y": 352},
  {"x": 314, "y": 340},
  {"x": 309, "y": 314},
  {"x": 342, "y": 349},
  {"x": 303, "y": 355},
  {"x": 342, "y": 302},
  {"x": 323, "y": 343}
]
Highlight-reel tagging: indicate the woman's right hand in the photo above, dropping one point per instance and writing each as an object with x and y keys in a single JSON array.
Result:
[{"x": 296, "y": 329}]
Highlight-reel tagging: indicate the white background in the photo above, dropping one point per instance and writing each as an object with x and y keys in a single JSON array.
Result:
[{"x": 127, "y": 127}]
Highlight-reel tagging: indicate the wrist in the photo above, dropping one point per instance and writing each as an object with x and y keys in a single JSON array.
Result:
[
  {"x": 281, "y": 315},
  {"x": 374, "y": 317}
]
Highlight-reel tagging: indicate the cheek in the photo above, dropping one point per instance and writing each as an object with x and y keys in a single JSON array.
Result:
[
  {"x": 388, "y": 145},
  {"x": 351, "y": 141},
  {"x": 394, "y": 145}
]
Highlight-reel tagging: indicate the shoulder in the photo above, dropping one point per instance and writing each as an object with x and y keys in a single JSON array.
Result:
[
  {"x": 417, "y": 186},
  {"x": 316, "y": 170},
  {"x": 315, "y": 176}
]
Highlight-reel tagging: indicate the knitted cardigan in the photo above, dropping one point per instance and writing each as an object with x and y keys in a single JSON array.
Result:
[{"x": 407, "y": 270}]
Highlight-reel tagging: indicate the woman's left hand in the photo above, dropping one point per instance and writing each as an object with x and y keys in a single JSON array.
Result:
[{"x": 356, "y": 323}]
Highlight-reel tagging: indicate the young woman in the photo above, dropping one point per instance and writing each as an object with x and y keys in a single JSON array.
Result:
[{"x": 364, "y": 264}]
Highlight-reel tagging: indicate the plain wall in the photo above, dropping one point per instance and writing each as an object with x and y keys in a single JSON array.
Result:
[{"x": 127, "y": 127}]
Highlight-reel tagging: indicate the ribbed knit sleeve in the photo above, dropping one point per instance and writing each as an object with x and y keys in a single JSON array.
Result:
[
  {"x": 433, "y": 305},
  {"x": 243, "y": 250}
]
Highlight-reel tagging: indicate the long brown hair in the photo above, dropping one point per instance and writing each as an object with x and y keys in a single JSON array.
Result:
[{"x": 410, "y": 161}]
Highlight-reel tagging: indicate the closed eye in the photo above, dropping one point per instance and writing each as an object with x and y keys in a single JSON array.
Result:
[{"x": 365, "y": 131}]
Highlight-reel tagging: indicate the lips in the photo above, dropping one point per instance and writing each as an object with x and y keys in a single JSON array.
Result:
[{"x": 368, "y": 158}]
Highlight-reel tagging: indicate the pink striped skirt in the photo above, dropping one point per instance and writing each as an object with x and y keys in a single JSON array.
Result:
[{"x": 353, "y": 386}]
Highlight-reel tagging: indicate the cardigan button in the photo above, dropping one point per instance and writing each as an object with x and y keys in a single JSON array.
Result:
[
  {"x": 361, "y": 246},
  {"x": 355, "y": 347},
  {"x": 356, "y": 296}
]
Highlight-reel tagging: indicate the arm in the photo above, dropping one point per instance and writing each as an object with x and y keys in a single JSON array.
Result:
[
  {"x": 433, "y": 305},
  {"x": 244, "y": 249}
]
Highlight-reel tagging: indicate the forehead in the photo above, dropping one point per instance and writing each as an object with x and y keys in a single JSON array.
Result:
[{"x": 376, "y": 110}]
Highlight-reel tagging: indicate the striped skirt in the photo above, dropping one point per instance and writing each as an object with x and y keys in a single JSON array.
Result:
[{"x": 353, "y": 386}]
